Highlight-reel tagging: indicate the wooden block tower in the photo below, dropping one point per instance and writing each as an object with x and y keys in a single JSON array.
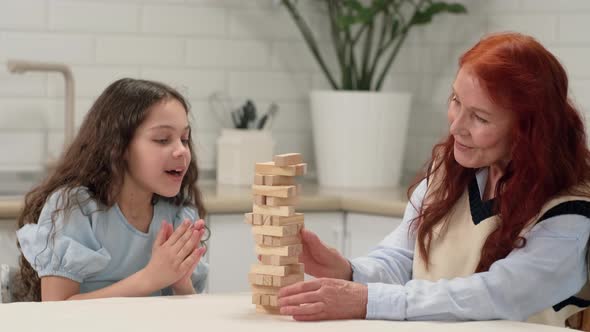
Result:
[{"x": 276, "y": 227}]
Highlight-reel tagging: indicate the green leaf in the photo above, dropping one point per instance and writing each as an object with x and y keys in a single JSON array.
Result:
[
  {"x": 435, "y": 8},
  {"x": 380, "y": 5},
  {"x": 345, "y": 21},
  {"x": 366, "y": 15},
  {"x": 394, "y": 27},
  {"x": 354, "y": 5},
  {"x": 425, "y": 15},
  {"x": 456, "y": 8},
  {"x": 421, "y": 18}
]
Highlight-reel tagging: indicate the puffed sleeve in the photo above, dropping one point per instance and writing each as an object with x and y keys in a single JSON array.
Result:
[
  {"x": 66, "y": 247},
  {"x": 199, "y": 277}
]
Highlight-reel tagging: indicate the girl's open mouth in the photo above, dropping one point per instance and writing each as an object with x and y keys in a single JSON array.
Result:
[{"x": 175, "y": 173}]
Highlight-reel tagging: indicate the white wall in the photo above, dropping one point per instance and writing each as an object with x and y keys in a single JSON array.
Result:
[{"x": 246, "y": 48}]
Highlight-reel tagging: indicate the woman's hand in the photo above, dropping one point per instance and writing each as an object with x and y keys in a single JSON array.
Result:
[
  {"x": 184, "y": 285},
  {"x": 324, "y": 299},
  {"x": 321, "y": 261},
  {"x": 175, "y": 253}
]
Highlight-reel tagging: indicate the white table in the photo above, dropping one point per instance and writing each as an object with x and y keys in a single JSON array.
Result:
[{"x": 231, "y": 312}]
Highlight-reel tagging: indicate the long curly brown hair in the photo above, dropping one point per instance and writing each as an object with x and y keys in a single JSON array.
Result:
[{"x": 95, "y": 160}]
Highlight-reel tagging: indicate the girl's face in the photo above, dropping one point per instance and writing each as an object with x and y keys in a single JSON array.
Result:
[
  {"x": 158, "y": 155},
  {"x": 481, "y": 129}
]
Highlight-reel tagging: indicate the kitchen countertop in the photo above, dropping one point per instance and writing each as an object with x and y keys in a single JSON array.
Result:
[{"x": 220, "y": 199}]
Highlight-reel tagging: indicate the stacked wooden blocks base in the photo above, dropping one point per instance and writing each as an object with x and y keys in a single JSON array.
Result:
[{"x": 275, "y": 227}]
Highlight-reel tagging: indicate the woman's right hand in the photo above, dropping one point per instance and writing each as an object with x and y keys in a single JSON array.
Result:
[
  {"x": 173, "y": 254},
  {"x": 322, "y": 261}
]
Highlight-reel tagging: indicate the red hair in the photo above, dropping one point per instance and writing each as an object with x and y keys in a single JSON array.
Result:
[{"x": 549, "y": 154}]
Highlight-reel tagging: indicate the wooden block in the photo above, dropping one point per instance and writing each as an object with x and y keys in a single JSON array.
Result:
[
  {"x": 260, "y": 279},
  {"x": 267, "y": 220},
  {"x": 282, "y": 241},
  {"x": 256, "y": 298},
  {"x": 278, "y": 260},
  {"x": 274, "y": 281},
  {"x": 264, "y": 300},
  {"x": 278, "y": 180},
  {"x": 255, "y": 279},
  {"x": 258, "y": 239},
  {"x": 279, "y": 201},
  {"x": 256, "y": 289},
  {"x": 286, "y": 280},
  {"x": 276, "y": 241},
  {"x": 269, "y": 168},
  {"x": 260, "y": 200},
  {"x": 297, "y": 218},
  {"x": 268, "y": 310},
  {"x": 270, "y": 220},
  {"x": 249, "y": 218},
  {"x": 274, "y": 300},
  {"x": 287, "y": 159},
  {"x": 290, "y": 250},
  {"x": 301, "y": 169},
  {"x": 257, "y": 219},
  {"x": 284, "y": 211},
  {"x": 286, "y": 230},
  {"x": 267, "y": 300},
  {"x": 274, "y": 191},
  {"x": 277, "y": 270},
  {"x": 259, "y": 179}
]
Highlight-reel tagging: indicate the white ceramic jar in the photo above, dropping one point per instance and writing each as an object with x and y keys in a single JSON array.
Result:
[{"x": 238, "y": 150}]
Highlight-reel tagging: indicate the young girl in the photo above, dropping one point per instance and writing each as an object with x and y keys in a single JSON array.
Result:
[{"x": 117, "y": 216}]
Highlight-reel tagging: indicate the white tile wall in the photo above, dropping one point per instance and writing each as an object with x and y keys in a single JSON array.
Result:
[
  {"x": 142, "y": 50},
  {"x": 184, "y": 20},
  {"x": 228, "y": 53},
  {"x": 192, "y": 83},
  {"x": 105, "y": 17},
  {"x": 247, "y": 49},
  {"x": 50, "y": 46},
  {"x": 23, "y": 15}
]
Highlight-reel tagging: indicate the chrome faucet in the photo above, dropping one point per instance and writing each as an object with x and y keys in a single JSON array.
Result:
[{"x": 20, "y": 67}]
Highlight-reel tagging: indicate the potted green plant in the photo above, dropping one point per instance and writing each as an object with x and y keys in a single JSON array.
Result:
[{"x": 359, "y": 131}]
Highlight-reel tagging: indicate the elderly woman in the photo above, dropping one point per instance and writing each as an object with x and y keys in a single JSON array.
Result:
[{"x": 498, "y": 226}]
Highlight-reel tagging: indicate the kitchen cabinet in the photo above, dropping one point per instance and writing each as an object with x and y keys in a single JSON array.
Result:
[
  {"x": 364, "y": 231},
  {"x": 8, "y": 251},
  {"x": 230, "y": 253},
  {"x": 328, "y": 226}
]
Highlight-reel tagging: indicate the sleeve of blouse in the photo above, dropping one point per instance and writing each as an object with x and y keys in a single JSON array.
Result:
[{"x": 65, "y": 247}]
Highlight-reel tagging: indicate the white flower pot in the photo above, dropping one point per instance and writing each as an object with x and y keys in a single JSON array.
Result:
[
  {"x": 238, "y": 150},
  {"x": 359, "y": 137}
]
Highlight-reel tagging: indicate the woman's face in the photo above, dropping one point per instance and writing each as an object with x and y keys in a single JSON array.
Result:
[{"x": 481, "y": 129}]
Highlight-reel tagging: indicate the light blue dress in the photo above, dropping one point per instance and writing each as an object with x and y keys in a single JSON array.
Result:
[{"x": 96, "y": 246}]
